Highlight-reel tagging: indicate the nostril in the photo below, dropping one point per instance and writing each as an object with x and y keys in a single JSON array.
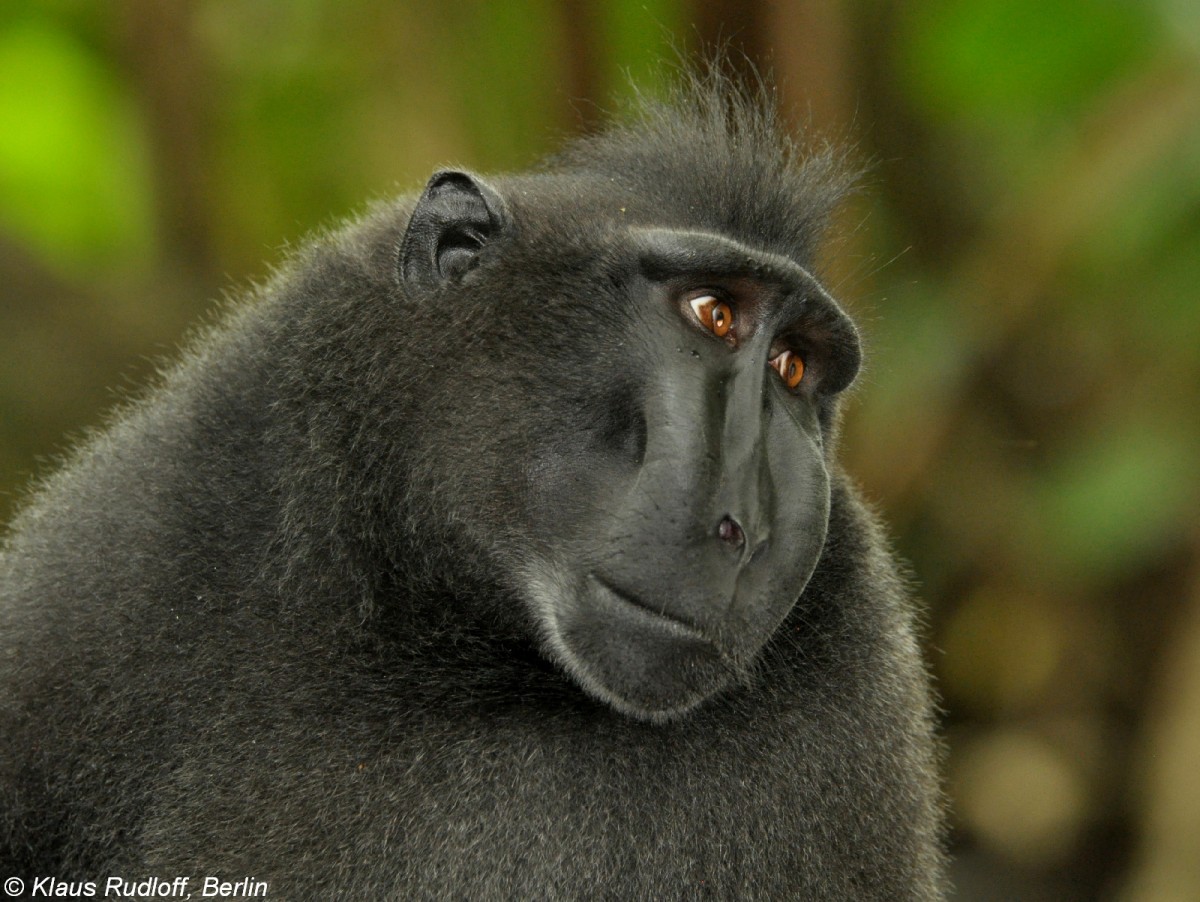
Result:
[{"x": 729, "y": 532}]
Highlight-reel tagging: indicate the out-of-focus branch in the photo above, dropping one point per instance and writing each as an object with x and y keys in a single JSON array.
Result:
[
  {"x": 168, "y": 74},
  {"x": 1168, "y": 862},
  {"x": 739, "y": 25},
  {"x": 580, "y": 23},
  {"x": 812, "y": 61},
  {"x": 814, "y": 68}
]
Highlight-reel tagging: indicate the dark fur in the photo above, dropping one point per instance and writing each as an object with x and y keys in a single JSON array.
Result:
[{"x": 265, "y": 625}]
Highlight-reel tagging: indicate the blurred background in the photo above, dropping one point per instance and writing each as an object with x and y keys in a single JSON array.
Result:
[{"x": 1024, "y": 260}]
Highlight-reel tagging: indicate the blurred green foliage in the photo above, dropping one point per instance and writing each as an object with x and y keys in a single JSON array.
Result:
[
  {"x": 73, "y": 169},
  {"x": 1027, "y": 276},
  {"x": 991, "y": 63}
]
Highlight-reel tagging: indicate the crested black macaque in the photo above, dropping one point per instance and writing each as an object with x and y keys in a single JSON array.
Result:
[{"x": 496, "y": 549}]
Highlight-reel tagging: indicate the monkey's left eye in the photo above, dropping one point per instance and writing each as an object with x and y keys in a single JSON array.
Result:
[
  {"x": 717, "y": 316},
  {"x": 790, "y": 367}
]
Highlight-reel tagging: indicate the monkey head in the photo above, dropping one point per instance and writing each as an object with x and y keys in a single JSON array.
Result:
[{"x": 652, "y": 403}]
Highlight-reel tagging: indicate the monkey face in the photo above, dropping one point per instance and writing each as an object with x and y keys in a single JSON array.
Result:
[{"x": 665, "y": 409}]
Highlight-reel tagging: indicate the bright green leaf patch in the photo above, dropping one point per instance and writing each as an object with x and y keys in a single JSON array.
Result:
[
  {"x": 989, "y": 59},
  {"x": 1101, "y": 511},
  {"x": 72, "y": 159}
]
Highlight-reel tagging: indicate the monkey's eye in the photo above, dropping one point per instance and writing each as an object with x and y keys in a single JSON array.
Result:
[
  {"x": 717, "y": 316},
  {"x": 790, "y": 367}
]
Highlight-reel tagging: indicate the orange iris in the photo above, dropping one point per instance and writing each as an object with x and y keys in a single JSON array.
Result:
[
  {"x": 717, "y": 316},
  {"x": 790, "y": 367}
]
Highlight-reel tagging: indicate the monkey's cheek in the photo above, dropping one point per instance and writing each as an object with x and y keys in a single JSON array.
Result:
[{"x": 640, "y": 662}]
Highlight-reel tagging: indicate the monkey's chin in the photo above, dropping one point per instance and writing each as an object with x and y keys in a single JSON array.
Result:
[{"x": 643, "y": 663}]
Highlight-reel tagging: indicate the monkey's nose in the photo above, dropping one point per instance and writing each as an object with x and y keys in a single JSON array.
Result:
[
  {"x": 733, "y": 536},
  {"x": 731, "y": 533}
]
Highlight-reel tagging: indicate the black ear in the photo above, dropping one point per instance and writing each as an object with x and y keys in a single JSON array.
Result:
[{"x": 455, "y": 217}]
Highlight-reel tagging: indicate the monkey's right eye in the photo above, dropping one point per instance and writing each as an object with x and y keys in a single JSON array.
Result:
[{"x": 715, "y": 315}]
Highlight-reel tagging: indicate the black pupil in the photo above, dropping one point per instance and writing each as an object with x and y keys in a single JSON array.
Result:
[
  {"x": 719, "y": 317},
  {"x": 791, "y": 369}
]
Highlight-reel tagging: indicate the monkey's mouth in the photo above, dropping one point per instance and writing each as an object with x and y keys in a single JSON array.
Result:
[
  {"x": 688, "y": 629},
  {"x": 641, "y": 659}
]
